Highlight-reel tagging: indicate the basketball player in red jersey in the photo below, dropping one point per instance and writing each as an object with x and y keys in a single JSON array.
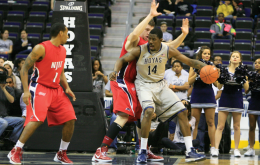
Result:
[
  {"x": 44, "y": 96},
  {"x": 125, "y": 101}
]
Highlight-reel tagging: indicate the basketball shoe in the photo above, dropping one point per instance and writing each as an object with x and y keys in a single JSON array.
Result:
[
  {"x": 62, "y": 157},
  {"x": 15, "y": 155},
  {"x": 152, "y": 157},
  {"x": 101, "y": 155},
  {"x": 193, "y": 156}
]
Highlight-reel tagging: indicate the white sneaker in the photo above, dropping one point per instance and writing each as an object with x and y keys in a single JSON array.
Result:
[
  {"x": 246, "y": 148},
  {"x": 237, "y": 153},
  {"x": 214, "y": 152},
  {"x": 250, "y": 152}
]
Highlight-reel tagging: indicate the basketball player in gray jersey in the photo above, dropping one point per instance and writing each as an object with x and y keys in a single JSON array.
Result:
[{"x": 153, "y": 91}]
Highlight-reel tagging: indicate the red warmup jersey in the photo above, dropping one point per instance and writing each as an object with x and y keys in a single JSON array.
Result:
[
  {"x": 47, "y": 72},
  {"x": 128, "y": 72}
]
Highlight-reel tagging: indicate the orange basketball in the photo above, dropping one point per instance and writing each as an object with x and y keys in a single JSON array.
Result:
[{"x": 209, "y": 74}]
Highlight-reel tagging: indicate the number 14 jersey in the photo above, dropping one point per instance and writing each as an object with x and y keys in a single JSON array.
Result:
[
  {"x": 151, "y": 65},
  {"x": 47, "y": 71}
]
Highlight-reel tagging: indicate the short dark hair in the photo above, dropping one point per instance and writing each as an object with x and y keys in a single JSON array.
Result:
[
  {"x": 221, "y": 13},
  {"x": 158, "y": 32},
  {"x": 18, "y": 61},
  {"x": 177, "y": 61},
  {"x": 217, "y": 56},
  {"x": 10, "y": 77},
  {"x": 151, "y": 23},
  {"x": 23, "y": 30},
  {"x": 56, "y": 28}
]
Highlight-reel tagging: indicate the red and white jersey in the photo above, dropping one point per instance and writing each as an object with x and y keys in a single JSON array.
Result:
[
  {"x": 47, "y": 71},
  {"x": 128, "y": 72}
]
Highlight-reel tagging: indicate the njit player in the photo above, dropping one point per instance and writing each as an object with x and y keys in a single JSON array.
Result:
[
  {"x": 126, "y": 104},
  {"x": 45, "y": 97}
]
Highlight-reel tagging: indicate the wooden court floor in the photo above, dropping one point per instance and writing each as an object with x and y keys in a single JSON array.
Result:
[{"x": 85, "y": 158}]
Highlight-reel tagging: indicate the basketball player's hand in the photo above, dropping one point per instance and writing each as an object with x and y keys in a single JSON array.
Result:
[
  {"x": 153, "y": 11},
  {"x": 68, "y": 91},
  {"x": 112, "y": 76},
  {"x": 26, "y": 97},
  {"x": 185, "y": 26}
]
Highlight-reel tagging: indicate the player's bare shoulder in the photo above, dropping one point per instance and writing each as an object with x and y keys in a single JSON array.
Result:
[
  {"x": 38, "y": 52},
  {"x": 173, "y": 52}
]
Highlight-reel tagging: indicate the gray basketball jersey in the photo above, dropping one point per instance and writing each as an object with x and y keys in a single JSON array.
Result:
[{"x": 151, "y": 66}]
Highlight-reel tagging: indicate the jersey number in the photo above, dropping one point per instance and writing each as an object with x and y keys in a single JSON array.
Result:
[
  {"x": 55, "y": 77},
  {"x": 154, "y": 70}
]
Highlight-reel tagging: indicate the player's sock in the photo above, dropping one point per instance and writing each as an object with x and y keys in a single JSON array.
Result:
[
  {"x": 64, "y": 145},
  {"x": 188, "y": 143},
  {"x": 144, "y": 143},
  {"x": 112, "y": 132},
  {"x": 19, "y": 144}
]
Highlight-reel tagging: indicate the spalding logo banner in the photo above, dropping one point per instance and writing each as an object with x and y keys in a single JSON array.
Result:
[{"x": 71, "y": 6}]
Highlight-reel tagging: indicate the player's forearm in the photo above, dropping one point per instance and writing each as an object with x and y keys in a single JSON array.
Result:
[
  {"x": 192, "y": 79},
  {"x": 108, "y": 94},
  {"x": 246, "y": 87},
  {"x": 182, "y": 88},
  {"x": 24, "y": 78},
  {"x": 196, "y": 64},
  {"x": 178, "y": 41},
  {"x": 139, "y": 28},
  {"x": 118, "y": 65}
]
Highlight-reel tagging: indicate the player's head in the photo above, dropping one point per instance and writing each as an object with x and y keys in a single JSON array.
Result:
[
  {"x": 163, "y": 26},
  {"x": 9, "y": 81},
  {"x": 59, "y": 31},
  {"x": 217, "y": 60},
  {"x": 177, "y": 66},
  {"x": 235, "y": 58},
  {"x": 155, "y": 39},
  {"x": 221, "y": 17},
  {"x": 204, "y": 53},
  {"x": 2, "y": 60},
  {"x": 148, "y": 28},
  {"x": 24, "y": 34},
  {"x": 96, "y": 65},
  {"x": 5, "y": 34},
  {"x": 257, "y": 64}
]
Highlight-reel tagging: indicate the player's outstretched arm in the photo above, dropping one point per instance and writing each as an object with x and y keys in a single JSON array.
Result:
[
  {"x": 37, "y": 53},
  {"x": 185, "y": 30},
  {"x": 64, "y": 83},
  {"x": 173, "y": 52},
  {"x": 128, "y": 57},
  {"x": 133, "y": 38}
]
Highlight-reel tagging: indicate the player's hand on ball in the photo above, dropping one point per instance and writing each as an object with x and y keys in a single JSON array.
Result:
[
  {"x": 68, "y": 91},
  {"x": 26, "y": 97},
  {"x": 112, "y": 76},
  {"x": 153, "y": 11}
]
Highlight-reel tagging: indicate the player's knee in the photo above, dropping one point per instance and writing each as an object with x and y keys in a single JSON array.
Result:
[
  {"x": 210, "y": 123},
  {"x": 252, "y": 127},
  {"x": 237, "y": 127},
  {"x": 221, "y": 127},
  {"x": 149, "y": 112}
]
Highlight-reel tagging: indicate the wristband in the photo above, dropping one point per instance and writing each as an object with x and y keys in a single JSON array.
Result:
[
  {"x": 6, "y": 52},
  {"x": 173, "y": 87}
]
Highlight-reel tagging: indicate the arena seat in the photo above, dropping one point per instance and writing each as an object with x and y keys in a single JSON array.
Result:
[
  {"x": 245, "y": 34},
  {"x": 13, "y": 37},
  {"x": 204, "y": 11},
  {"x": 258, "y": 34},
  {"x": 205, "y": 2},
  {"x": 48, "y": 28},
  {"x": 16, "y": 16},
  {"x": 257, "y": 45},
  {"x": 256, "y": 55},
  {"x": 46, "y": 36},
  {"x": 12, "y": 26},
  {"x": 21, "y": 6},
  {"x": 244, "y": 22},
  {"x": 97, "y": 19},
  {"x": 40, "y": 6},
  {"x": 222, "y": 44},
  {"x": 4, "y": 6},
  {"x": 37, "y": 16},
  {"x": 96, "y": 9},
  {"x": 4, "y": 56},
  {"x": 203, "y": 22},
  {"x": 178, "y": 21},
  {"x": 34, "y": 27},
  {"x": 50, "y": 16},
  {"x": 21, "y": 56},
  {"x": 200, "y": 42},
  {"x": 202, "y": 33},
  {"x": 246, "y": 3},
  {"x": 243, "y": 45},
  {"x": 168, "y": 19},
  {"x": 34, "y": 37},
  {"x": 247, "y": 55}
]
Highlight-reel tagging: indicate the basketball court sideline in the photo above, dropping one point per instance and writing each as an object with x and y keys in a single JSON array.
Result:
[{"x": 120, "y": 159}]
